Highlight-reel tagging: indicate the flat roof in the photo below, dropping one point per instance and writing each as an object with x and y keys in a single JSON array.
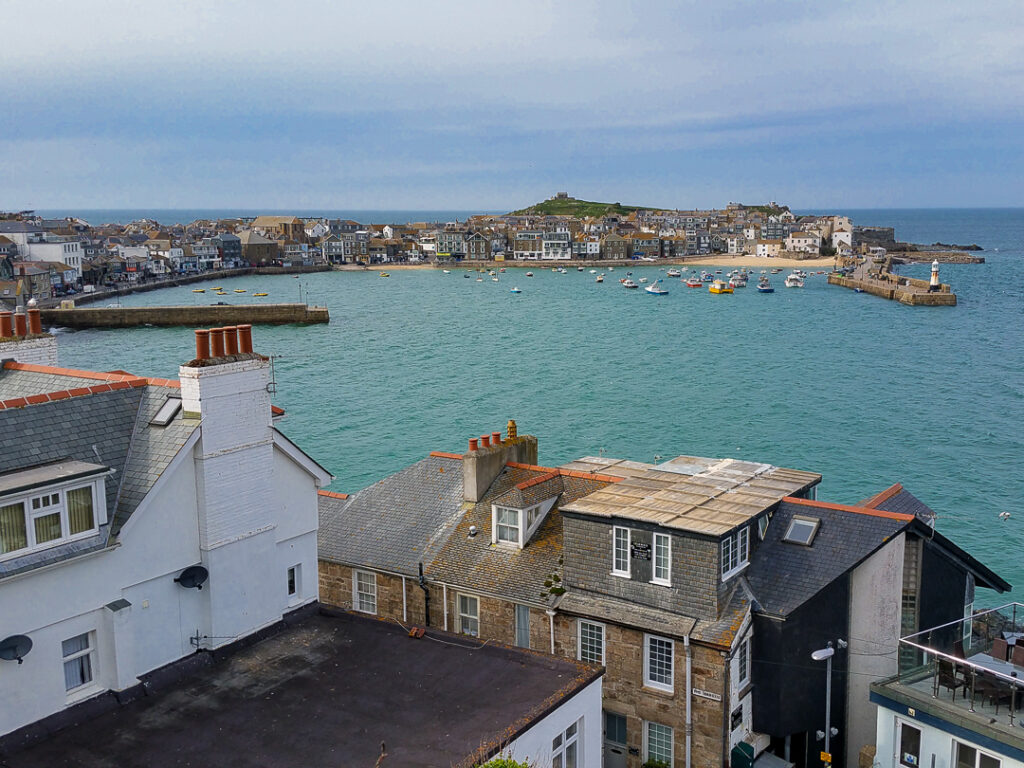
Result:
[
  {"x": 47, "y": 474},
  {"x": 328, "y": 691},
  {"x": 689, "y": 493}
]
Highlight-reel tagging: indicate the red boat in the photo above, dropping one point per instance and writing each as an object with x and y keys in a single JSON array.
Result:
[{"x": 694, "y": 282}]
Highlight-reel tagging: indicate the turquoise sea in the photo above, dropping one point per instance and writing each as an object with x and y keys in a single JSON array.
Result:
[{"x": 867, "y": 392}]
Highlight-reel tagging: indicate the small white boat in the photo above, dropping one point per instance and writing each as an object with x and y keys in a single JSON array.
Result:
[
  {"x": 643, "y": 279},
  {"x": 515, "y": 290},
  {"x": 529, "y": 274},
  {"x": 494, "y": 279},
  {"x": 655, "y": 290},
  {"x": 579, "y": 269},
  {"x": 794, "y": 281},
  {"x": 446, "y": 271},
  {"x": 593, "y": 271},
  {"x": 627, "y": 283},
  {"x": 674, "y": 273},
  {"x": 599, "y": 278}
]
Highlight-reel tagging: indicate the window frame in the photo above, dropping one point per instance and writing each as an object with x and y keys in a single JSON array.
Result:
[
  {"x": 734, "y": 550},
  {"x": 61, "y": 490},
  {"x": 978, "y": 754},
  {"x": 579, "y": 640},
  {"x": 520, "y": 627},
  {"x": 563, "y": 741},
  {"x": 649, "y": 682},
  {"x": 743, "y": 663},
  {"x": 357, "y": 593},
  {"x": 87, "y": 653},
  {"x": 459, "y": 597},
  {"x": 900, "y": 725},
  {"x": 671, "y": 740},
  {"x": 496, "y": 526},
  {"x": 665, "y": 581},
  {"x": 616, "y": 529}
]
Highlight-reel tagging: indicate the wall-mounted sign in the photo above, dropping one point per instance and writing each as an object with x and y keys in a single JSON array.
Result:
[
  {"x": 707, "y": 694},
  {"x": 641, "y": 551}
]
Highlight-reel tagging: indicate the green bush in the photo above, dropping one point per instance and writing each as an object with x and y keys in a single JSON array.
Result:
[
  {"x": 653, "y": 762},
  {"x": 504, "y": 762}
]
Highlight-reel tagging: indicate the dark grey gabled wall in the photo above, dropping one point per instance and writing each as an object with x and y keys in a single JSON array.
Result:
[{"x": 587, "y": 547}]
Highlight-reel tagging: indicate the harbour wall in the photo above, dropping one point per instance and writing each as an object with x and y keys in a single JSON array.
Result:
[
  {"x": 195, "y": 316},
  {"x": 905, "y": 290}
]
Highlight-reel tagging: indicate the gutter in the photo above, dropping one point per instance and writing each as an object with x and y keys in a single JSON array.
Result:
[{"x": 426, "y": 598}]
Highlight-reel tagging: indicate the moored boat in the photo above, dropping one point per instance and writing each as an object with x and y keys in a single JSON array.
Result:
[
  {"x": 719, "y": 286},
  {"x": 655, "y": 290},
  {"x": 599, "y": 278},
  {"x": 673, "y": 273},
  {"x": 694, "y": 282},
  {"x": 627, "y": 283},
  {"x": 515, "y": 290},
  {"x": 529, "y": 274},
  {"x": 794, "y": 281},
  {"x": 764, "y": 285}
]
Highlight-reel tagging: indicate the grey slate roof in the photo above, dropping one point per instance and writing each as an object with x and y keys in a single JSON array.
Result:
[
  {"x": 396, "y": 523},
  {"x": 906, "y": 503},
  {"x": 782, "y": 575},
  {"x": 18, "y": 383},
  {"x": 110, "y": 428}
]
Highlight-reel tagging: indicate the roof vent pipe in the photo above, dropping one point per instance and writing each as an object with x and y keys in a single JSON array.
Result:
[{"x": 202, "y": 345}]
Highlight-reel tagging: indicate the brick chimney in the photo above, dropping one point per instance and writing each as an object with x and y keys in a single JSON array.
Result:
[
  {"x": 488, "y": 454},
  {"x": 234, "y": 465},
  {"x": 22, "y": 338}
]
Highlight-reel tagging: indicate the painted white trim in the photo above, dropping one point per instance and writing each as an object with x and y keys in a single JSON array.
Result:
[
  {"x": 672, "y": 741},
  {"x": 355, "y": 591},
  {"x": 648, "y": 683},
  {"x": 579, "y": 638},
  {"x": 665, "y": 581},
  {"x": 300, "y": 457},
  {"x": 97, "y": 483},
  {"x": 629, "y": 541}
]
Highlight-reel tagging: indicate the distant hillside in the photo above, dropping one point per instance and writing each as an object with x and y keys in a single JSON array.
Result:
[{"x": 570, "y": 206}]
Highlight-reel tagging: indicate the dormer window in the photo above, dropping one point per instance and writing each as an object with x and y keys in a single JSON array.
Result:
[
  {"x": 515, "y": 526},
  {"x": 34, "y": 517}
]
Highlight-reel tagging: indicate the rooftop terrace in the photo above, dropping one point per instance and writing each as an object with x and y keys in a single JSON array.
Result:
[{"x": 969, "y": 673}]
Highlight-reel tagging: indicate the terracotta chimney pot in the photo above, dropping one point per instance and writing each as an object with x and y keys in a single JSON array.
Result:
[
  {"x": 231, "y": 340},
  {"x": 6, "y": 325},
  {"x": 202, "y": 345},
  {"x": 245, "y": 338},
  {"x": 20, "y": 326},
  {"x": 495, "y": 438},
  {"x": 485, "y": 441},
  {"x": 35, "y": 322},
  {"x": 472, "y": 444},
  {"x": 217, "y": 342}
]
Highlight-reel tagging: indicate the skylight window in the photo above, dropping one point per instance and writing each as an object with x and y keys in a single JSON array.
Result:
[
  {"x": 167, "y": 412},
  {"x": 802, "y": 530}
]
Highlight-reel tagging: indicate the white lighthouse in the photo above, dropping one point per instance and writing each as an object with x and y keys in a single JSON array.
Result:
[{"x": 934, "y": 285}]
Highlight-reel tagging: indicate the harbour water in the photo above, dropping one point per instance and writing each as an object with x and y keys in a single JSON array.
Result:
[{"x": 866, "y": 391}]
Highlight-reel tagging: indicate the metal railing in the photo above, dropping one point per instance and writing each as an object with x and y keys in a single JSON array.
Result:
[{"x": 973, "y": 656}]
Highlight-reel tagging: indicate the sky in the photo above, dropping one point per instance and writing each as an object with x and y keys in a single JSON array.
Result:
[{"x": 496, "y": 105}]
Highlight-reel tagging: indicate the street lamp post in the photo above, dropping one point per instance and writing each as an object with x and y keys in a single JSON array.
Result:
[{"x": 825, "y": 654}]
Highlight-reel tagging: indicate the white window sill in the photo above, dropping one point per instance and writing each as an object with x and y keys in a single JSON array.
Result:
[
  {"x": 661, "y": 582},
  {"x": 87, "y": 691},
  {"x": 621, "y": 575},
  {"x": 735, "y": 571},
  {"x": 650, "y": 687}
]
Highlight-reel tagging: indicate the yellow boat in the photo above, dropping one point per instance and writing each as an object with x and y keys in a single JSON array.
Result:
[
  {"x": 220, "y": 293},
  {"x": 217, "y": 288},
  {"x": 261, "y": 294},
  {"x": 198, "y": 290},
  {"x": 719, "y": 286},
  {"x": 239, "y": 290},
  {"x": 385, "y": 274}
]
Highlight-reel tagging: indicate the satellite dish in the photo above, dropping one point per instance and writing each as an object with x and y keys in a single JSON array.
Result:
[
  {"x": 193, "y": 577},
  {"x": 15, "y": 647}
]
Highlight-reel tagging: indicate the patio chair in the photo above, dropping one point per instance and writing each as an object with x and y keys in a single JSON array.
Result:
[
  {"x": 947, "y": 678},
  {"x": 1000, "y": 649},
  {"x": 1018, "y": 653},
  {"x": 995, "y": 691}
]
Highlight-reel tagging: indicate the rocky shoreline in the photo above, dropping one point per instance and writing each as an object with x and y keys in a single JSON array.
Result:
[{"x": 943, "y": 257}]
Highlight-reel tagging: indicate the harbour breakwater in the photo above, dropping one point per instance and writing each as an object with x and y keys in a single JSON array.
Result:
[
  {"x": 906, "y": 290},
  {"x": 196, "y": 316},
  {"x": 125, "y": 290}
]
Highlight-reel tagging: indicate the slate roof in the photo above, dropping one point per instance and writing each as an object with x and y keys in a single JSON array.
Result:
[
  {"x": 504, "y": 570},
  {"x": 396, "y": 523},
  {"x": 897, "y": 499},
  {"x": 104, "y": 425},
  {"x": 783, "y": 575}
]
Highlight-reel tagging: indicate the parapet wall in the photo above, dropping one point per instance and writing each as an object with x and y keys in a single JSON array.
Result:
[{"x": 199, "y": 317}]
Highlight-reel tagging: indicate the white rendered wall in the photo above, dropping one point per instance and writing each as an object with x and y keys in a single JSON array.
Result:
[
  {"x": 534, "y": 746},
  {"x": 876, "y": 590},
  {"x": 936, "y": 745}
]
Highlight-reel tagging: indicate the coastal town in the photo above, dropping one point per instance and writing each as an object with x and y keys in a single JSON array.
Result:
[{"x": 66, "y": 257}]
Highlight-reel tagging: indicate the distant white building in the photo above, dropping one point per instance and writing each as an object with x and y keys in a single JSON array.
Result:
[{"x": 144, "y": 520}]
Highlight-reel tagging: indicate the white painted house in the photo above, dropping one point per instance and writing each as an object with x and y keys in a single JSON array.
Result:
[{"x": 142, "y": 520}]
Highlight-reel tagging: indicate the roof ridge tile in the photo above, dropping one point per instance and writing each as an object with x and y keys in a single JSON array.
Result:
[{"x": 860, "y": 510}]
